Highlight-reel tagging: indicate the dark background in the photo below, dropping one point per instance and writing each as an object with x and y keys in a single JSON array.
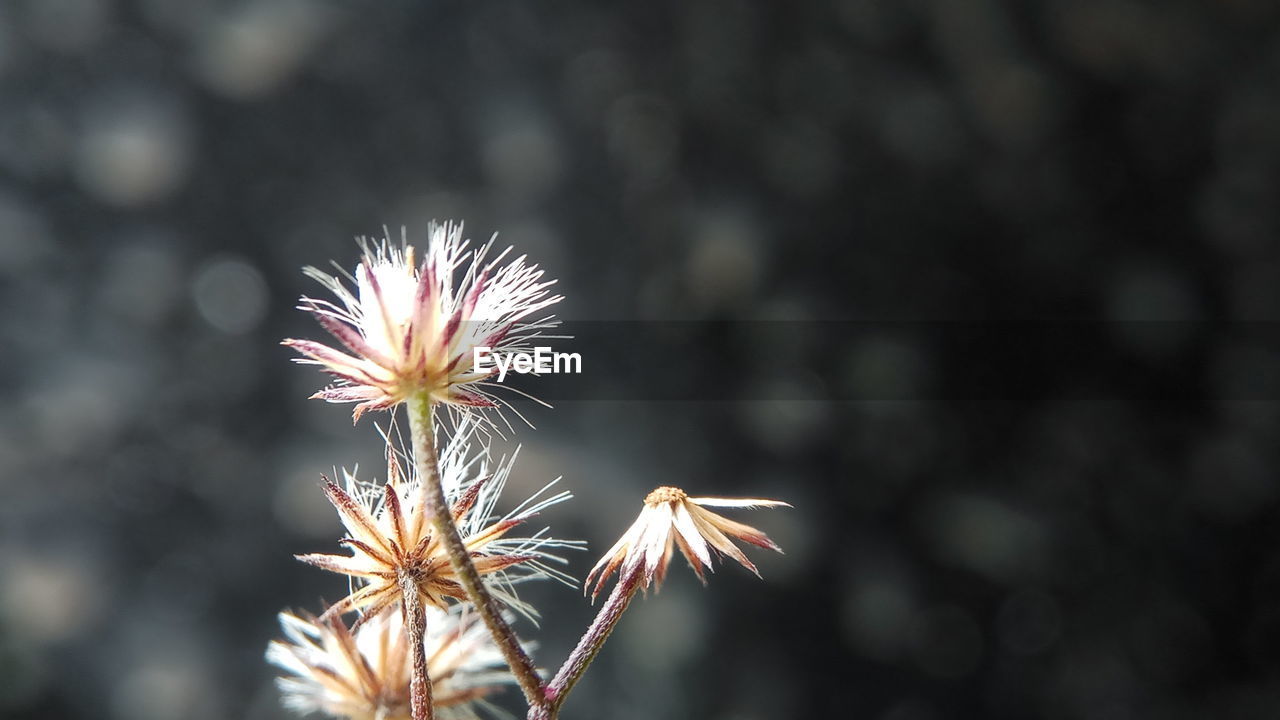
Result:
[{"x": 964, "y": 280}]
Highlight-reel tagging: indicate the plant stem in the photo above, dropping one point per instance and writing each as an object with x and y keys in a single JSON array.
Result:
[
  {"x": 424, "y": 454},
  {"x": 589, "y": 646},
  {"x": 415, "y": 623}
]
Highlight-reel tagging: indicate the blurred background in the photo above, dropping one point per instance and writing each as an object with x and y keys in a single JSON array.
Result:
[{"x": 986, "y": 290}]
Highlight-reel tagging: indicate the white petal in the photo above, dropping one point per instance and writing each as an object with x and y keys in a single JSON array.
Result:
[
  {"x": 657, "y": 534},
  {"x": 689, "y": 531},
  {"x": 738, "y": 502}
]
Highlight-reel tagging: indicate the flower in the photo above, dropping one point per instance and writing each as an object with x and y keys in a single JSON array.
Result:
[
  {"x": 647, "y": 544},
  {"x": 390, "y": 534},
  {"x": 364, "y": 674},
  {"x": 411, "y": 330}
]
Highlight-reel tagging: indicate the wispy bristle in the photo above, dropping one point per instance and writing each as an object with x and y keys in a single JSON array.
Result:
[
  {"x": 411, "y": 329},
  {"x": 389, "y": 531}
]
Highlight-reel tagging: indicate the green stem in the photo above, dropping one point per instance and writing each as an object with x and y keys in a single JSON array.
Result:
[{"x": 424, "y": 454}]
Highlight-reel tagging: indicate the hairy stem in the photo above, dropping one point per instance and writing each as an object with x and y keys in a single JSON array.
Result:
[
  {"x": 424, "y": 454},
  {"x": 415, "y": 623},
  {"x": 589, "y": 646}
]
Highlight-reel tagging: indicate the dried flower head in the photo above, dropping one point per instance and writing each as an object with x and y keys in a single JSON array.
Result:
[
  {"x": 671, "y": 516},
  {"x": 364, "y": 674},
  {"x": 411, "y": 330},
  {"x": 391, "y": 535}
]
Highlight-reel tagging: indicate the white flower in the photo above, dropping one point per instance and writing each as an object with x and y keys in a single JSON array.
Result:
[
  {"x": 409, "y": 330},
  {"x": 671, "y": 516},
  {"x": 390, "y": 534},
  {"x": 364, "y": 674}
]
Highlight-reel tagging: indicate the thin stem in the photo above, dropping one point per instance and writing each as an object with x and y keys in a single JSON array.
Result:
[
  {"x": 415, "y": 623},
  {"x": 589, "y": 646},
  {"x": 424, "y": 453}
]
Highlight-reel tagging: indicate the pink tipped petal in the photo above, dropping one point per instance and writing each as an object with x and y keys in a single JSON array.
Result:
[
  {"x": 495, "y": 338},
  {"x": 473, "y": 297},
  {"x": 323, "y": 353},
  {"x": 463, "y": 505},
  {"x": 723, "y": 544},
  {"x": 423, "y": 306},
  {"x": 373, "y": 553},
  {"x": 491, "y": 533},
  {"x": 395, "y": 476},
  {"x": 447, "y": 335},
  {"x": 354, "y": 517},
  {"x": 348, "y": 393},
  {"x": 746, "y": 533},
  {"x": 338, "y": 564},
  {"x": 352, "y": 339},
  {"x": 391, "y": 501},
  {"x": 469, "y": 398},
  {"x": 493, "y": 563},
  {"x": 456, "y": 362},
  {"x": 356, "y": 379},
  {"x": 364, "y": 407}
]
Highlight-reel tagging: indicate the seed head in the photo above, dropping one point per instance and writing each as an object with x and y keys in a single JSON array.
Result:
[
  {"x": 364, "y": 674},
  {"x": 669, "y": 518},
  {"x": 409, "y": 330},
  {"x": 391, "y": 536}
]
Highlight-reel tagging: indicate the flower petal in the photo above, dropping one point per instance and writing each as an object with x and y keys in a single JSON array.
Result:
[
  {"x": 688, "y": 555},
  {"x": 719, "y": 541},
  {"x": 355, "y": 518},
  {"x": 341, "y": 564},
  {"x": 347, "y": 642},
  {"x": 324, "y": 354},
  {"x": 367, "y": 596},
  {"x": 391, "y": 506},
  {"x": 493, "y": 563},
  {"x": 657, "y": 538},
  {"x": 350, "y": 337},
  {"x": 691, "y": 538},
  {"x": 462, "y": 396},
  {"x": 737, "y": 502},
  {"x": 746, "y": 533},
  {"x": 621, "y": 550}
]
